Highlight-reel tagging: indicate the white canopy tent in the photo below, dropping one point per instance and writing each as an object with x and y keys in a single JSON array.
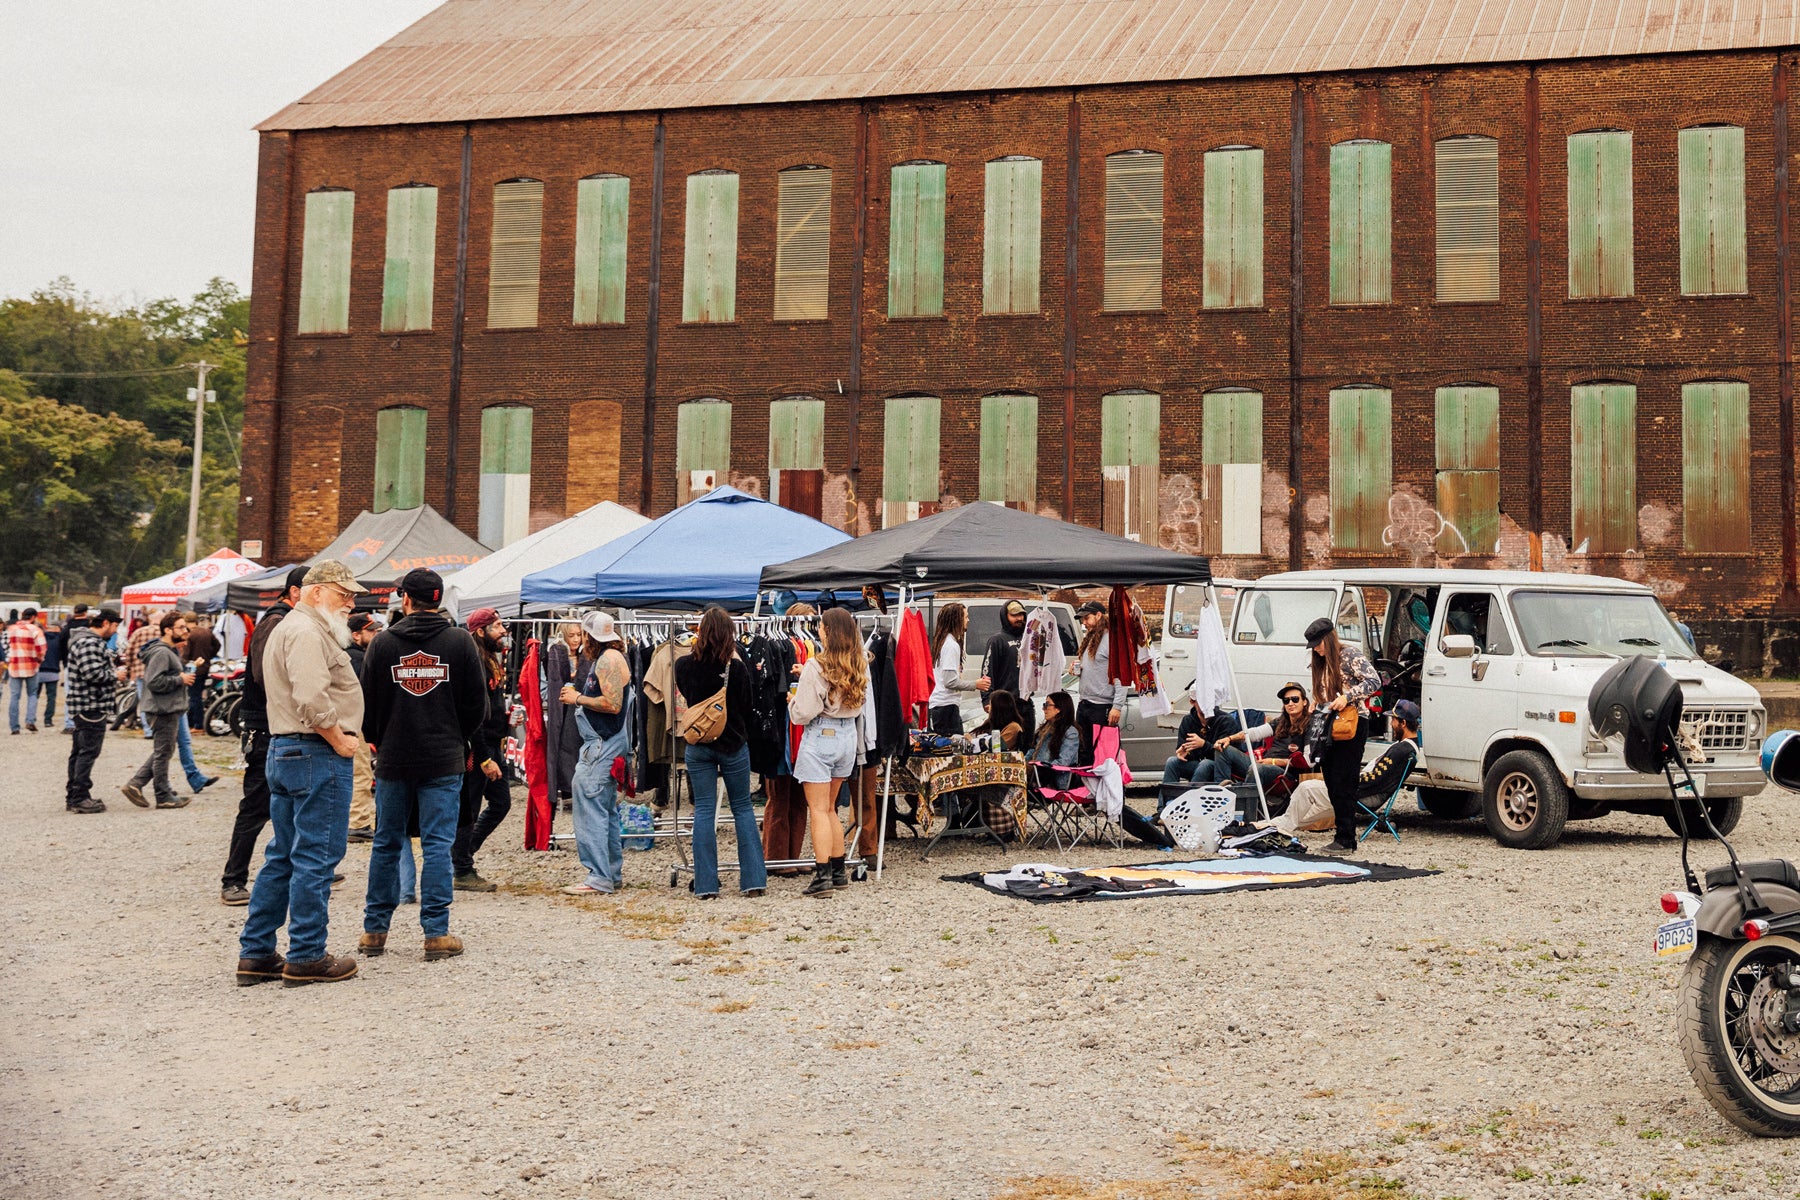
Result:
[{"x": 494, "y": 581}]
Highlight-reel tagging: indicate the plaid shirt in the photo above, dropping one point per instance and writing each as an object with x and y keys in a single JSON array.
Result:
[
  {"x": 134, "y": 667},
  {"x": 25, "y": 647},
  {"x": 88, "y": 674}
]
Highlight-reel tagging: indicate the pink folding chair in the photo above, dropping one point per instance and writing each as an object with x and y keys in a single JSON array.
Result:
[{"x": 1070, "y": 812}]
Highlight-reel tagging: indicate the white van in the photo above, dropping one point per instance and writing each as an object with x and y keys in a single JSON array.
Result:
[{"x": 1500, "y": 663}]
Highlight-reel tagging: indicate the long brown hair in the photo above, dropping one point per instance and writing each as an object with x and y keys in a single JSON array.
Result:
[
  {"x": 1287, "y": 726},
  {"x": 952, "y": 622},
  {"x": 841, "y": 660},
  {"x": 1003, "y": 710},
  {"x": 1090, "y": 639},
  {"x": 1328, "y": 668},
  {"x": 712, "y": 643}
]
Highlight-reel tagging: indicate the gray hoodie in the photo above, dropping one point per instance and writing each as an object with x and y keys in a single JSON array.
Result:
[{"x": 163, "y": 690}]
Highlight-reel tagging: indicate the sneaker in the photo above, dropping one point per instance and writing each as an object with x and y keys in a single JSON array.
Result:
[
  {"x": 131, "y": 792},
  {"x": 471, "y": 882},
  {"x": 206, "y": 781},
  {"x": 1338, "y": 846},
  {"x": 252, "y": 971},
  {"x": 90, "y": 805},
  {"x": 329, "y": 969},
  {"x": 413, "y": 899},
  {"x": 582, "y": 889},
  {"x": 176, "y": 802},
  {"x": 448, "y": 946},
  {"x": 235, "y": 896}
]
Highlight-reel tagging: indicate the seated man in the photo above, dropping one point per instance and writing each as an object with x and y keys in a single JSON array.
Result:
[
  {"x": 1310, "y": 809},
  {"x": 1193, "y": 748}
]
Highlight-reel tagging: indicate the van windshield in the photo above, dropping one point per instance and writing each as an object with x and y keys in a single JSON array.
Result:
[{"x": 1597, "y": 624}]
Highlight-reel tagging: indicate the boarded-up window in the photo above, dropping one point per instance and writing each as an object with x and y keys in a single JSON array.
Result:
[
  {"x": 325, "y": 262},
  {"x": 1130, "y": 458},
  {"x": 1603, "y": 468},
  {"x": 1361, "y": 223},
  {"x": 513, "y": 271},
  {"x": 1134, "y": 231},
  {"x": 1468, "y": 470},
  {"x": 505, "y": 475},
  {"x": 916, "y": 240},
  {"x": 1715, "y": 466},
  {"x": 399, "y": 459},
  {"x": 797, "y": 455},
  {"x": 803, "y": 244},
  {"x": 602, "y": 222},
  {"x": 1361, "y": 466},
  {"x": 1712, "y": 210},
  {"x": 709, "y": 271},
  {"x": 1468, "y": 219},
  {"x": 1009, "y": 455},
  {"x": 1232, "y": 239},
  {"x": 1231, "y": 479},
  {"x": 702, "y": 447},
  {"x": 1012, "y": 236},
  {"x": 411, "y": 259},
  {"x": 593, "y": 454},
  {"x": 909, "y": 459},
  {"x": 1600, "y": 213}
]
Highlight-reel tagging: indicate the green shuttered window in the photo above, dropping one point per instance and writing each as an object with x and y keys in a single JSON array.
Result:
[
  {"x": 602, "y": 222},
  {"x": 505, "y": 475},
  {"x": 1232, "y": 241},
  {"x": 1600, "y": 213},
  {"x": 513, "y": 270},
  {"x": 1712, "y": 210},
  {"x": 1009, "y": 451},
  {"x": 803, "y": 244},
  {"x": 1361, "y": 223},
  {"x": 399, "y": 459},
  {"x": 325, "y": 262},
  {"x": 1361, "y": 466},
  {"x": 1468, "y": 219},
  {"x": 411, "y": 258},
  {"x": 797, "y": 453},
  {"x": 709, "y": 270},
  {"x": 1603, "y": 468},
  {"x": 1012, "y": 236},
  {"x": 702, "y": 448},
  {"x": 1231, "y": 472},
  {"x": 1715, "y": 466},
  {"x": 1134, "y": 232},
  {"x": 1130, "y": 461},
  {"x": 1468, "y": 470},
  {"x": 909, "y": 459},
  {"x": 916, "y": 240}
]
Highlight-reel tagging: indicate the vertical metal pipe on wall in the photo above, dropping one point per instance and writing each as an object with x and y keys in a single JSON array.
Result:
[
  {"x": 1534, "y": 328},
  {"x": 1071, "y": 232},
  {"x": 652, "y": 321},
  {"x": 1296, "y": 324},
  {"x": 859, "y": 207},
  {"x": 272, "y": 499},
  {"x": 1789, "y": 601},
  {"x": 453, "y": 419}
]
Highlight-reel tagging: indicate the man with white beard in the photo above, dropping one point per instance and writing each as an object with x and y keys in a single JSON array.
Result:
[{"x": 315, "y": 709}]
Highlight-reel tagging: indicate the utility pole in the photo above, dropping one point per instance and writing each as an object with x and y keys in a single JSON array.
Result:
[{"x": 199, "y": 395}]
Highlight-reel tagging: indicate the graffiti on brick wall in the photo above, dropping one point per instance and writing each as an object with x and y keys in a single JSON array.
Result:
[
  {"x": 1181, "y": 519},
  {"x": 841, "y": 509},
  {"x": 1416, "y": 527}
]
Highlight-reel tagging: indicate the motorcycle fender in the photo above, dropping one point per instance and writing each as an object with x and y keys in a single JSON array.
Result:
[{"x": 1722, "y": 911}]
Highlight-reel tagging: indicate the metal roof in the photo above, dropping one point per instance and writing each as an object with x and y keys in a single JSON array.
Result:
[{"x": 487, "y": 59}]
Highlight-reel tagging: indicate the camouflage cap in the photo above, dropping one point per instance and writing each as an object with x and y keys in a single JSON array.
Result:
[{"x": 335, "y": 573}]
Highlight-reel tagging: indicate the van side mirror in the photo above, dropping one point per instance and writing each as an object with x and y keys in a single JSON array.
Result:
[{"x": 1458, "y": 645}]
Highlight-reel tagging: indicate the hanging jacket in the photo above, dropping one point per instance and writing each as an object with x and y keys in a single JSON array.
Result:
[
  {"x": 912, "y": 664},
  {"x": 1126, "y": 636}
]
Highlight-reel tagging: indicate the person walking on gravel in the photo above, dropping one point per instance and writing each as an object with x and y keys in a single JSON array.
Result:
[
  {"x": 165, "y": 684},
  {"x": 486, "y": 778},
  {"x": 25, "y": 649},
  {"x": 140, "y": 637},
  {"x": 315, "y": 710},
  {"x": 424, "y": 700},
  {"x": 89, "y": 704},
  {"x": 253, "y": 710}
]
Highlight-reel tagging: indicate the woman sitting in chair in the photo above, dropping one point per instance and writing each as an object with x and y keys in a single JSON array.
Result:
[
  {"x": 1311, "y": 810},
  {"x": 1058, "y": 744},
  {"x": 1004, "y": 719}
]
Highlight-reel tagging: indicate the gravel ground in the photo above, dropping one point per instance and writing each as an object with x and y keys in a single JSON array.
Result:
[{"x": 1499, "y": 1029}]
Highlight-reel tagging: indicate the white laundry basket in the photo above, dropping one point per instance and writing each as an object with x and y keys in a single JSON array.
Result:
[{"x": 1195, "y": 818}]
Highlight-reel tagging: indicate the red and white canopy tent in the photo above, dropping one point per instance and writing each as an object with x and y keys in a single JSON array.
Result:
[{"x": 224, "y": 564}]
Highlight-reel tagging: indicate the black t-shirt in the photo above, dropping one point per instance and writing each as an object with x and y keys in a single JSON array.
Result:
[{"x": 697, "y": 681}]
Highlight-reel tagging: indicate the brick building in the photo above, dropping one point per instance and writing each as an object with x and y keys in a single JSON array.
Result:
[{"x": 1358, "y": 287}]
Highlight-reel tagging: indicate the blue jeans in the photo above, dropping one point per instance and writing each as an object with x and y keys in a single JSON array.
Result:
[
  {"x": 705, "y": 766},
  {"x": 309, "y": 816},
  {"x": 21, "y": 686},
  {"x": 46, "y": 691},
  {"x": 409, "y": 873},
  {"x": 438, "y": 801},
  {"x": 185, "y": 747},
  {"x": 599, "y": 840},
  {"x": 1183, "y": 770}
]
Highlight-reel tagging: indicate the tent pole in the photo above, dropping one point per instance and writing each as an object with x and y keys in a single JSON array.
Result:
[{"x": 1237, "y": 697}]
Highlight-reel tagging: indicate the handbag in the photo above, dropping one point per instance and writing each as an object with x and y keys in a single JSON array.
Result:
[
  {"x": 704, "y": 722},
  {"x": 1343, "y": 726}
]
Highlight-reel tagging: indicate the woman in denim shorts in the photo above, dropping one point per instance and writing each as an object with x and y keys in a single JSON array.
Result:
[{"x": 828, "y": 702}]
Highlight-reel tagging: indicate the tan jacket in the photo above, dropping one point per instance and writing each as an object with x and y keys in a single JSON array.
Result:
[
  {"x": 812, "y": 700},
  {"x": 308, "y": 677}
]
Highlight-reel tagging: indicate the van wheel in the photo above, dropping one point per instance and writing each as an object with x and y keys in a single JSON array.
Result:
[
  {"x": 1725, "y": 812},
  {"x": 1449, "y": 804},
  {"x": 1525, "y": 801}
]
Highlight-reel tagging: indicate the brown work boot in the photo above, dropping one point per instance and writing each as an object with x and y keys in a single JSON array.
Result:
[
  {"x": 372, "y": 944},
  {"x": 252, "y": 971},
  {"x": 448, "y": 946},
  {"x": 329, "y": 969}
]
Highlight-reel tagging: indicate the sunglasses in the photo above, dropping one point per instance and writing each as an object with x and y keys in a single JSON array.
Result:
[{"x": 1287, "y": 700}]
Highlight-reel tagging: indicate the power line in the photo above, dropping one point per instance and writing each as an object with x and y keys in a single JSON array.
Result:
[{"x": 149, "y": 371}]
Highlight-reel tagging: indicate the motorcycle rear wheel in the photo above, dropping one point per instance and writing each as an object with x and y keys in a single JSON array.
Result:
[{"x": 1747, "y": 1071}]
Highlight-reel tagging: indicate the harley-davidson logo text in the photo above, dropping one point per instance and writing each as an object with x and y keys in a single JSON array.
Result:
[{"x": 419, "y": 673}]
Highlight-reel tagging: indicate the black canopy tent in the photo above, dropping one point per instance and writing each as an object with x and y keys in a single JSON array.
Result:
[{"x": 986, "y": 545}]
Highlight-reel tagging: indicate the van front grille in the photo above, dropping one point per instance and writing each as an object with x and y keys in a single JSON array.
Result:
[{"x": 1718, "y": 728}]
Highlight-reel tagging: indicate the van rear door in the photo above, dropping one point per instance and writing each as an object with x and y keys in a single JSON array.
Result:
[{"x": 1268, "y": 635}]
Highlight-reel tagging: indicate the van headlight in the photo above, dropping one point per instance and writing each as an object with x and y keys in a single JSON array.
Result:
[{"x": 1759, "y": 720}]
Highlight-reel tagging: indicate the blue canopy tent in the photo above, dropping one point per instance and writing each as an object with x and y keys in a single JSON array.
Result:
[{"x": 709, "y": 551}]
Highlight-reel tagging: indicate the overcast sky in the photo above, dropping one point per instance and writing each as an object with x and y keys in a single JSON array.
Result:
[{"x": 127, "y": 160}]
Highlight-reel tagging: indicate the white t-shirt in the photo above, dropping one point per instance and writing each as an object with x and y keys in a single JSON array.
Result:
[{"x": 948, "y": 674}]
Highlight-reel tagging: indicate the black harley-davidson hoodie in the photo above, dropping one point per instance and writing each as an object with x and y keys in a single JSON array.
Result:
[{"x": 424, "y": 697}]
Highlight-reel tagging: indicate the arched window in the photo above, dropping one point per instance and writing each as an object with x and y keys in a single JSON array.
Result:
[
  {"x": 505, "y": 474},
  {"x": 1134, "y": 231},
  {"x": 803, "y": 244},
  {"x": 916, "y": 240},
  {"x": 602, "y": 223},
  {"x": 1012, "y": 239},
  {"x": 514, "y": 254},
  {"x": 1712, "y": 210},
  {"x": 702, "y": 447},
  {"x": 1232, "y": 224},
  {"x": 709, "y": 269},
  {"x": 407, "y": 275},
  {"x": 1468, "y": 219},
  {"x": 399, "y": 458},
  {"x": 1362, "y": 223},
  {"x": 1009, "y": 450},
  {"x": 325, "y": 261}
]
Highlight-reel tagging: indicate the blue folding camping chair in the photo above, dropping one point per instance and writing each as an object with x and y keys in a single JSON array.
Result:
[{"x": 1381, "y": 817}]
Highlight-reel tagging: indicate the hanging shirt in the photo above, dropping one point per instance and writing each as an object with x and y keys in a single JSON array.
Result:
[
  {"x": 1212, "y": 664},
  {"x": 1042, "y": 661}
]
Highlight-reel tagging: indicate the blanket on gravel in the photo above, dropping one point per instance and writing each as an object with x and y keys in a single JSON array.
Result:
[{"x": 1045, "y": 883}]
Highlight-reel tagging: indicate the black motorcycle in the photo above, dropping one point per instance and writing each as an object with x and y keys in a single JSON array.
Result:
[{"x": 1739, "y": 1015}]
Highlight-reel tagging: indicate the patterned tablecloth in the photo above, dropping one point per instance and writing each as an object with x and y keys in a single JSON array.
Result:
[{"x": 933, "y": 777}]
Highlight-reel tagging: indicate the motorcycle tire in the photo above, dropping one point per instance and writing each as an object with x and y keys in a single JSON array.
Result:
[
  {"x": 1448, "y": 804},
  {"x": 1713, "y": 1026},
  {"x": 218, "y": 723},
  {"x": 124, "y": 707},
  {"x": 1726, "y": 812},
  {"x": 234, "y": 715}
]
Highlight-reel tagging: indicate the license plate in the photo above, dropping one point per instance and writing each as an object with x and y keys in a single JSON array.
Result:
[{"x": 1676, "y": 937}]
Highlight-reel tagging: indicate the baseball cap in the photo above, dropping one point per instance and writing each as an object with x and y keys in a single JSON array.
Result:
[
  {"x": 1408, "y": 712},
  {"x": 1315, "y": 633},
  {"x": 1014, "y": 609},
  {"x": 600, "y": 627},
  {"x": 108, "y": 616},
  {"x": 336, "y": 574},
  {"x": 361, "y": 621},
  {"x": 423, "y": 584},
  {"x": 296, "y": 577},
  {"x": 1092, "y": 606},
  {"x": 480, "y": 619}
]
